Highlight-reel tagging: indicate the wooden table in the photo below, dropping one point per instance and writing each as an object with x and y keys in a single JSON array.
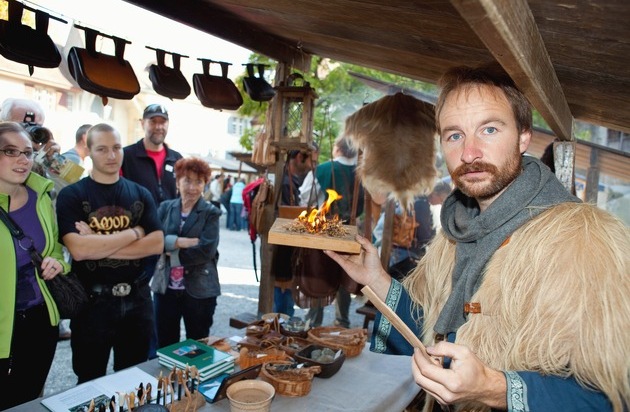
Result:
[{"x": 368, "y": 382}]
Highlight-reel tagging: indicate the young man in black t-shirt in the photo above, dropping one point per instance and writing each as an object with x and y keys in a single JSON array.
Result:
[{"x": 109, "y": 224}]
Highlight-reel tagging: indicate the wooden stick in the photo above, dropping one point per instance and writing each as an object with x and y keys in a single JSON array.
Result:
[{"x": 394, "y": 320}]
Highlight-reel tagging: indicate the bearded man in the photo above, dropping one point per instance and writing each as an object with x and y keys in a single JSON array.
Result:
[{"x": 524, "y": 294}]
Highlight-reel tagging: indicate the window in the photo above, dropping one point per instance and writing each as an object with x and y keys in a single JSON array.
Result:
[{"x": 237, "y": 125}]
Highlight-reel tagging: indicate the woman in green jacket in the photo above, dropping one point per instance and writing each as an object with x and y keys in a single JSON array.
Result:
[{"x": 28, "y": 314}]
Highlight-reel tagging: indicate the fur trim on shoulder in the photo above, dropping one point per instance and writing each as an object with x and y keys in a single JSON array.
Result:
[{"x": 555, "y": 299}]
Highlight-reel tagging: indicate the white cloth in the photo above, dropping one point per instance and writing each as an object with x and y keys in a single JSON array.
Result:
[
  {"x": 215, "y": 190},
  {"x": 305, "y": 190}
]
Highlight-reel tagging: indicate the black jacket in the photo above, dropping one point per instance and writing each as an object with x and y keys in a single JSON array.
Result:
[{"x": 140, "y": 168}]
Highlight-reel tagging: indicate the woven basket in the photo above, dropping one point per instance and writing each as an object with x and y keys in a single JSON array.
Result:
[
  {"x": 251, "y": 357},
  {"x": 289, "y": 383},
  {"x": 352, "y": 341}
]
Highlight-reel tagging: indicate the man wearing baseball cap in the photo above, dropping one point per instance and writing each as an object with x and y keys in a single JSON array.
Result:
[{"x": 150, "y": 163}]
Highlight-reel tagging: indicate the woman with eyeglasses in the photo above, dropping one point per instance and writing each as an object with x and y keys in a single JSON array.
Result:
[{"x": 28, "y": 315}]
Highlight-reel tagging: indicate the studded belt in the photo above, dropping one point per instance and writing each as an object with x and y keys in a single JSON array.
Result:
[{"x": 118, "y": 290}]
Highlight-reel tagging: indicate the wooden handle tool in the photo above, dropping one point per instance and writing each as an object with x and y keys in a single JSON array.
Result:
[{"x": 394, "y": 320}]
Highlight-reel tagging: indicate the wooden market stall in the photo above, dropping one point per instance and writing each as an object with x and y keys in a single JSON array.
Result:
[{"x": 569, "y": 57}]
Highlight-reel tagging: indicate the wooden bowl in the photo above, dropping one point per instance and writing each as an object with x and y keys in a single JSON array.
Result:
[{"x": 328, "y": 368}]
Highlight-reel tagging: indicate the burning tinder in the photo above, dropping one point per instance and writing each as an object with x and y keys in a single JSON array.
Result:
[{"x": 316, "y": 220}]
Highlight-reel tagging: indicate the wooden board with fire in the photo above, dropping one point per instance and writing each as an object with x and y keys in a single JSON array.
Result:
[{"x": 315, "y": 230}]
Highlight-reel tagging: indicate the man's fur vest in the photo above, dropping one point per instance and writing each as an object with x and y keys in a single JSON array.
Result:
[{"x": 555, "y": 299}]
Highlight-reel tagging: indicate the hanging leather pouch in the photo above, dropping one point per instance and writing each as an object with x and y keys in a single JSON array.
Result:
[
  {"x": 315, "y": 277},
  {"x": 216, "y": 92},
  {"x": 257, "y": 88},
  {"x": 22, "y": 44},
  {"x": 168, "y": 81},
  {"x": 103, "y": 74}
]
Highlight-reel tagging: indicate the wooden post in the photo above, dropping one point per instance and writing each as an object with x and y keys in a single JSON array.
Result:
[
  {"x": 265, "y": 291},
  {"x": 564, "y": 161},
  {"x": 592, "y": 178}
]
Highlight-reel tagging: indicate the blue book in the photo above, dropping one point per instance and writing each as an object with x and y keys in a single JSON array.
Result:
[{"x": 194, "y": 353}]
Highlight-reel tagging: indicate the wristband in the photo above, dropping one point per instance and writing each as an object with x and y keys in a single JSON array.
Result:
[{"x": 136, "y": 232}]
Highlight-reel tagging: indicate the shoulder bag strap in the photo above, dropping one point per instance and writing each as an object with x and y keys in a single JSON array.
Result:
[
  {"x": 18, "y": 233},
  {"x": 15, "y": 230},
  {"x": 355, "y": 195}
]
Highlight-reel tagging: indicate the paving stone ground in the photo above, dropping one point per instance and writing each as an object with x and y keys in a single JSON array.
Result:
[{"x": 239, "y": 294}]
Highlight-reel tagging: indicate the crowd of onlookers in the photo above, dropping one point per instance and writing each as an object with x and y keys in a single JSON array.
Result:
[{"x": 148, "y": 201}]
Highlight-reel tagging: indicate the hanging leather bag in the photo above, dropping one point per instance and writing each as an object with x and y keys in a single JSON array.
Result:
[
  {"x": 103, "y": 74},
  {"x": 315, "y": 276},
  {"x": 404, "y": 231},
  {"x": 168, "y": 81},
  {"x": 257, "y": 87},
  {"x": 216, "y": 92},
  {"x": 22, "y": 44}
]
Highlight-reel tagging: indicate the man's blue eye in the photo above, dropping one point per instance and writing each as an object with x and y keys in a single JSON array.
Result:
[{"x": 491, "y": 129}]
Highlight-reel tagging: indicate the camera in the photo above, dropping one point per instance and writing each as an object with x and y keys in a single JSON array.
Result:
[{"x": 38, "y": 134}]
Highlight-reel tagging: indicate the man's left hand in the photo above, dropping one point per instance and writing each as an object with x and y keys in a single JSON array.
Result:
[{"x": 467, "y": 379}]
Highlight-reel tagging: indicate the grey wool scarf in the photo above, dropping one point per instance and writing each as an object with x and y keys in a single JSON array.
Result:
[{"x": 479, "y": 235}]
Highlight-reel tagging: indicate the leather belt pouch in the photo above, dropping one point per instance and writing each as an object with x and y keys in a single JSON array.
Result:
[
  {"x": 216, "y": 92},
  {"x": 168, "y": 81},
  {"x": 315, "y": 274},
  {"x": 22, "y": 44},
  {"x": 257, "y": 88},
  {"x": 103, "y": 74}
]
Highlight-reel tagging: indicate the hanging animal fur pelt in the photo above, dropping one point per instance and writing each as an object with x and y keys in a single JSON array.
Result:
[{"x": 397, "y": 137}]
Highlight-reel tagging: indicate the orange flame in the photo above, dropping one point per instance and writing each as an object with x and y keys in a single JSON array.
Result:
[{"x": 315, "y": 221}]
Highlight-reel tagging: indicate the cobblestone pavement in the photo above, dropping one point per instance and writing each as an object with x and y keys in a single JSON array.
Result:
[{"x": 239, "y": 293}]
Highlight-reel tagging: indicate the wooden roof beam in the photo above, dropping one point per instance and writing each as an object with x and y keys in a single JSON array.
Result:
[
  {"x": 219, "y": 22},
  {"x": 508, "y": 30}
]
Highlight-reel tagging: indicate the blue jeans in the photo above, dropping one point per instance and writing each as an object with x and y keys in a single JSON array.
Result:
[
  {"x": 122, "y": 323},
  {"x": 283, "y": 301},
  {"x": 235, "y": 222},
  {"x": 174, "y": 305}
]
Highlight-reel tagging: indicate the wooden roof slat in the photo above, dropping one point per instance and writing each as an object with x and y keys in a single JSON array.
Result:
[
  {"x": 569, "y": 56},
  {"x": 509, "y": 31},
  {"x": 206, "y": 17}
]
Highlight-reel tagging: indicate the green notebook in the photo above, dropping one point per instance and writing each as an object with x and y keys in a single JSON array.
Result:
[{"x": 194, "y": 353}]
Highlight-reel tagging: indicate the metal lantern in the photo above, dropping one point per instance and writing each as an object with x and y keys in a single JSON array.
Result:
[{"x": 293, "y": 114}]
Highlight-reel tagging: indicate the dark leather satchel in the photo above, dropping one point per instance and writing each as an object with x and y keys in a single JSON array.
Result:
[
  {"x": 257, "y": 88},
  {"x": 103, "y": 74},
  {"x": 315, "y": 277},
  {"x": 216, "y": 92},
  {"x": 22, "y": 44},
  {"x": 168, "y": 81}
]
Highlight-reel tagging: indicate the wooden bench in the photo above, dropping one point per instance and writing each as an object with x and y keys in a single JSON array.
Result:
[
  {"x": 369, "y": 311},
  {"x": 241, "y": 320}
]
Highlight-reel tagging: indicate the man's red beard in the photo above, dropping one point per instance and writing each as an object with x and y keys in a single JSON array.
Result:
[{"x": 483, "y": 188}]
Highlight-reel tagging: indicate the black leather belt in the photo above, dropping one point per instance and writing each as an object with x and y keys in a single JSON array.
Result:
[{"x": 118, "y": 290}]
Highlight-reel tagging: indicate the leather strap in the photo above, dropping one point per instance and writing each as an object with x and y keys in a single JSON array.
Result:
[{"x": 18, "y": 233}]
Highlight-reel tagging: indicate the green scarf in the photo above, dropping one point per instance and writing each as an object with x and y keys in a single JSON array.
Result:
[{"x": 479, "y": 235}]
